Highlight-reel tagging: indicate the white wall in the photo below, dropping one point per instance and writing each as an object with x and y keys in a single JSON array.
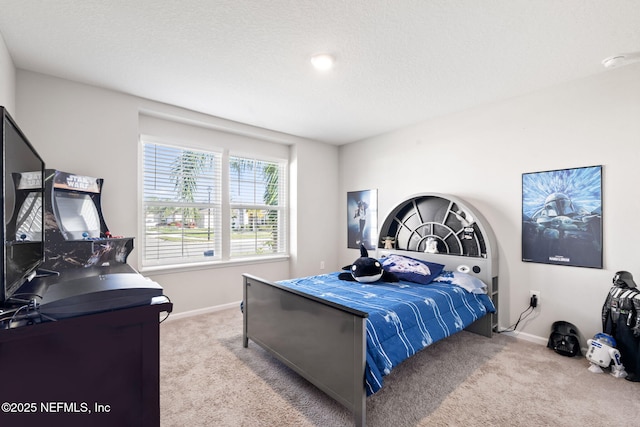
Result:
[
  {"x": 91, "y": 131},
  {"x": 479, "y": 155},
  {"x": 7, "y": 79},
  {"x": 314, "y": 210}
]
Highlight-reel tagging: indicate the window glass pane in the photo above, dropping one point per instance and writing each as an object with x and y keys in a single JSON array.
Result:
[
  {"x": 181, "y": 202},
  {"x": 254, "y": 182},
  {"x": 255, "y": 232},
  {"x": 173, "y": 232},
  {"x": 179, "y": 175},
  {"x": 258, "y": 215}
]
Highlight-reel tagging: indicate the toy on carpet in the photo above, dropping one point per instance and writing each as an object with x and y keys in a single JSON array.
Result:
[
  {"x": 366, "y": 270},
  {"x": 602, "y": 353},
  {"x": 564, "y": 339}
]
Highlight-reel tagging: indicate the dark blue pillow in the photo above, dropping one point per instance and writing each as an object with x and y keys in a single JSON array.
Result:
[{"x": 411, "y": 269}]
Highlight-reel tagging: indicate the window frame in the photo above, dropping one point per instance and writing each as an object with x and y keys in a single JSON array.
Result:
[{"x": 224, "y": 258}]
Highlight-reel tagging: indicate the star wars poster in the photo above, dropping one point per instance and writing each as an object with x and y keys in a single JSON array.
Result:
[
  {"x": 562, "y": 217},
  {"x": 362, "y": 219}
]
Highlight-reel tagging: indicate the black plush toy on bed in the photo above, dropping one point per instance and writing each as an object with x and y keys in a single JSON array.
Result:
[{"x": 366, "y": 270}]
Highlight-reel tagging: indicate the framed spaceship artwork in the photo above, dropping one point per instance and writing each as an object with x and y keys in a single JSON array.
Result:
[{"x": 562, "y": 217}]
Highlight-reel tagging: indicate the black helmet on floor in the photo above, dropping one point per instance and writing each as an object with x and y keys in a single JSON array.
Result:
[{"x": 564, "y": 339}]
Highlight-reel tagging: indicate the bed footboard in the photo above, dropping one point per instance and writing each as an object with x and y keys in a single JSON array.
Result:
[{"x": 323, "y": 342}]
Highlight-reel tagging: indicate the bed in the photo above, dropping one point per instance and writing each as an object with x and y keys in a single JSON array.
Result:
[{"x": 344, "y": 337}]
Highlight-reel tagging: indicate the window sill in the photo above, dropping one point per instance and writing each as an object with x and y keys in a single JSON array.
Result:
[{"x": 177, "y": 268}]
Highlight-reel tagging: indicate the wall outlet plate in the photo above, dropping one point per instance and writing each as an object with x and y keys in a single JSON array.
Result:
[{"x": 537, "y": 294}]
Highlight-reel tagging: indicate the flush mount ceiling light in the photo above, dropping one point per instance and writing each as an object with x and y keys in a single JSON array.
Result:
[
  {"x": 621, "y": 59},
  {"x": 322, "y": 61}
]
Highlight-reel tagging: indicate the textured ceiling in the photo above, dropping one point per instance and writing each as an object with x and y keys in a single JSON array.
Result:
[{"x": 399, "y": 62}]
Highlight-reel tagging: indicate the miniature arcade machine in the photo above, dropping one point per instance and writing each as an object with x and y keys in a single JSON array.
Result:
[
  {"x": 85, "y": 268},
  {"x": 76, "y": 234}
]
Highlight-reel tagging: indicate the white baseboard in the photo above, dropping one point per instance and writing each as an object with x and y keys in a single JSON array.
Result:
[
  {"x": 184, "y": 314},
  {"x": 528, "y": 337}
]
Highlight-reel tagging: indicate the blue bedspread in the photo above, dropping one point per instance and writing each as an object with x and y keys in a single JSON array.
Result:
[{"x": 404, "y": 317}]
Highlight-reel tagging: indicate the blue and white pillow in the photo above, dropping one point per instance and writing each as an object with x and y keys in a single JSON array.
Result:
[
  {"x": 464, "y": 280},
  {"x": 411, "y": 269}
]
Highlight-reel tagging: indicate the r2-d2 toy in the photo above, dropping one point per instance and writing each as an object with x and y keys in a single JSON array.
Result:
[{"x": 602, "y": 353}]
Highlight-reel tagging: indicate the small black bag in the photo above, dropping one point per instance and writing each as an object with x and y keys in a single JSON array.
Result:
[{"x": 564, "y": 339}]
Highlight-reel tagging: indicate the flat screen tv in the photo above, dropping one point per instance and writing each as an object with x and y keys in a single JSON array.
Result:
[{"x": 22, "y": 215}]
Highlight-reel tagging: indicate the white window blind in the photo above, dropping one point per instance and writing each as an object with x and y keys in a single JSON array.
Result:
[
  {"x": 181, "y": 205},
  {"x": 257, "y": 194}
]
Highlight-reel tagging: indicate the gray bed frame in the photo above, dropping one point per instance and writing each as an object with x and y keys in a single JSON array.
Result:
[{"x": 325, "y": 342}]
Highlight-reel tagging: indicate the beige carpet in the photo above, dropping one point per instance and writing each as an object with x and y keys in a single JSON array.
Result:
[{"x": 209, "y": 379}]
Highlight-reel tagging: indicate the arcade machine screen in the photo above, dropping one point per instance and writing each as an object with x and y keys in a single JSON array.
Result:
[{"x": 78, "y": 215}]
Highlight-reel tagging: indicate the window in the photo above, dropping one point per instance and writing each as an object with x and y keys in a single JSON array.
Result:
[
  {"x": 181, "y": 205},
  {"x": 257, "y": 203},
  {"x": 201, "y": 206}
]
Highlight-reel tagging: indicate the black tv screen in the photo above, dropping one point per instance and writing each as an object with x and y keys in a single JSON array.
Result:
[{"x": 22, "y": 215}]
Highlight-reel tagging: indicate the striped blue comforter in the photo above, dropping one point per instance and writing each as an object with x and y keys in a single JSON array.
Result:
[{"x": 404, "y": 317}]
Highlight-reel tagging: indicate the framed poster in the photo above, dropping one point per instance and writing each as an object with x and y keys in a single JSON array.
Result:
[
  {"x": 562, "y": 217},
  {"x": 362, "y": 219}
]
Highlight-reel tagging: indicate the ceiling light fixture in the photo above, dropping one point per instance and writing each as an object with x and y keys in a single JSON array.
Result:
[
  {"x": 621, "y": 59},
  {"x": 322, "y": 61}
]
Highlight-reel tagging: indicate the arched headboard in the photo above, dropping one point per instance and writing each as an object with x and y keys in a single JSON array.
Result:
[{"x": 464, "y": 240}]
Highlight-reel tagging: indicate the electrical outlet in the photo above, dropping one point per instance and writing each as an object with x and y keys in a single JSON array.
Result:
[{"x": 537, "y": 295}]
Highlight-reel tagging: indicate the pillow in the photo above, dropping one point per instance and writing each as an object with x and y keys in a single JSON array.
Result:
[
  {"x": 464, "y": 280},
  {"x": 411, "y": 269}
]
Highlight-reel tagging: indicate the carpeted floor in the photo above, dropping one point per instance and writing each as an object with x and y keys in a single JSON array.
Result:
[{"x": 209, "y": 379}]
